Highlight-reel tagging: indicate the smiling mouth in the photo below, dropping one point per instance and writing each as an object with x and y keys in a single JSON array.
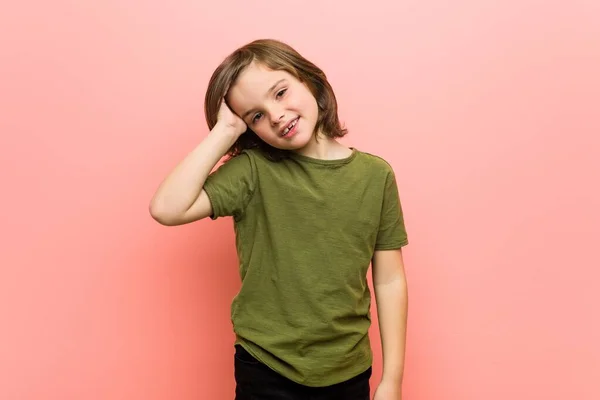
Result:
[{"x": 289, "y": 127}]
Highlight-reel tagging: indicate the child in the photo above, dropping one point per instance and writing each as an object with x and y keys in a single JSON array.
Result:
[{"x": 310, "y": 214}]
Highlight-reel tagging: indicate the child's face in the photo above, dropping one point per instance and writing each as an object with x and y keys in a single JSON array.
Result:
[{"x": 270, "y": 102}]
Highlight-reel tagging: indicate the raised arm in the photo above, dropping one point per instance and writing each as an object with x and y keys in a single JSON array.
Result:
[{"x": 180, "y": 198}]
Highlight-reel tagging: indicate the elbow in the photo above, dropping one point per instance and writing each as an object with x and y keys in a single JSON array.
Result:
[{"x": 161, "y": 215}]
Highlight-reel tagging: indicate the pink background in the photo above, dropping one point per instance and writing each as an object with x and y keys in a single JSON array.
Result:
[{"x": 489, "y": 112}]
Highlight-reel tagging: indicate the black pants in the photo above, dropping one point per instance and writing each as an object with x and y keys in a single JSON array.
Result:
[{"x": 256, "y": 381}]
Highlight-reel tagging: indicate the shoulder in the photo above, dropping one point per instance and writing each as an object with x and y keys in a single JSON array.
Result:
[
  {"x": 252, "y": 153},
  {"x": 240, "y": 166},
  {"x": 375, "y": 163},
  {"x": 255, "y": 156},
  {"x": 246, "y": 158}
]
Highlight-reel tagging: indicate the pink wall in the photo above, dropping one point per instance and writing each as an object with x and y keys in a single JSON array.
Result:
[{"x": 488, "y": 111}]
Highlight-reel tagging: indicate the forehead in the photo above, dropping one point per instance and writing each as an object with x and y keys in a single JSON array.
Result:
[{"x": 254, "y": 82}]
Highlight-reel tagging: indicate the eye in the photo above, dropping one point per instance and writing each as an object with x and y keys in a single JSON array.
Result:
[
  {"x": 256, "y": 117},
  {"x": 281, "y": 92}
]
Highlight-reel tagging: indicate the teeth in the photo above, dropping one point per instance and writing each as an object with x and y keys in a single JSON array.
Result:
[{"x": 286, "y": 130}]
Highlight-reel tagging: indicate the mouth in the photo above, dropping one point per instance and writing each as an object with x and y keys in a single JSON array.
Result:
[{"x": 289, "y": 127}]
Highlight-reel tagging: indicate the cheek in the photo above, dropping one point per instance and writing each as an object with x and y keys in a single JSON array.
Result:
[
  {"x": 262, "y": 130},
  {"x": 311, "y": 104},
  {"x": 310, "y": 101},
  {"x": 306, "y": 102}
]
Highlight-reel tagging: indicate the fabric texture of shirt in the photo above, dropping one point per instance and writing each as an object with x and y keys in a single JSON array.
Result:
[{"x": 306, "y": 230}]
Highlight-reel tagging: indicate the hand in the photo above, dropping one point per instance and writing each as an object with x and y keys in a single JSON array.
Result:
[
  {"x": 388, "y": 390},
  {"x": 229, "y": 120}
]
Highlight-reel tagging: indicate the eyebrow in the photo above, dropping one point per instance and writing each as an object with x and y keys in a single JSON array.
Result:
[{"x": 269, "y": 91}]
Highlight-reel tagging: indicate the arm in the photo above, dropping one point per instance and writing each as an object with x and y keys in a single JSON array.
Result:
[
  {"x": 391, "y": 291},
  {"x": 180, "y": 198}
]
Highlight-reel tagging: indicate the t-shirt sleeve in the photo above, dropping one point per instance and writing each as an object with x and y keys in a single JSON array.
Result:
[
  {"x": 231, "y": 186},
  {"x": 392, "y": 232}
]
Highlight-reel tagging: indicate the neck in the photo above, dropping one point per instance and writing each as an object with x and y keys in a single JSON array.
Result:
[{"x": 324, "y": 148}]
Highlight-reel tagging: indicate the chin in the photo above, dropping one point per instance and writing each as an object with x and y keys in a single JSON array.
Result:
[
  {"x": 296, "y": 143},
  {"x": 300, "y": 142}
]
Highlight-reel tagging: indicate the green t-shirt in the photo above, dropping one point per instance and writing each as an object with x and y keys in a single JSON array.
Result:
[{"x": 306, "y": 230}]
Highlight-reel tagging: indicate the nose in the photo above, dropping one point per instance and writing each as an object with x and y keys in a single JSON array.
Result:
[{"x": 276, "y": 115}]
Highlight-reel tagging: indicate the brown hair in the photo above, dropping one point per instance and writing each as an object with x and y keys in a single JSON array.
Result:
[{"x": 274, "y": 55}]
